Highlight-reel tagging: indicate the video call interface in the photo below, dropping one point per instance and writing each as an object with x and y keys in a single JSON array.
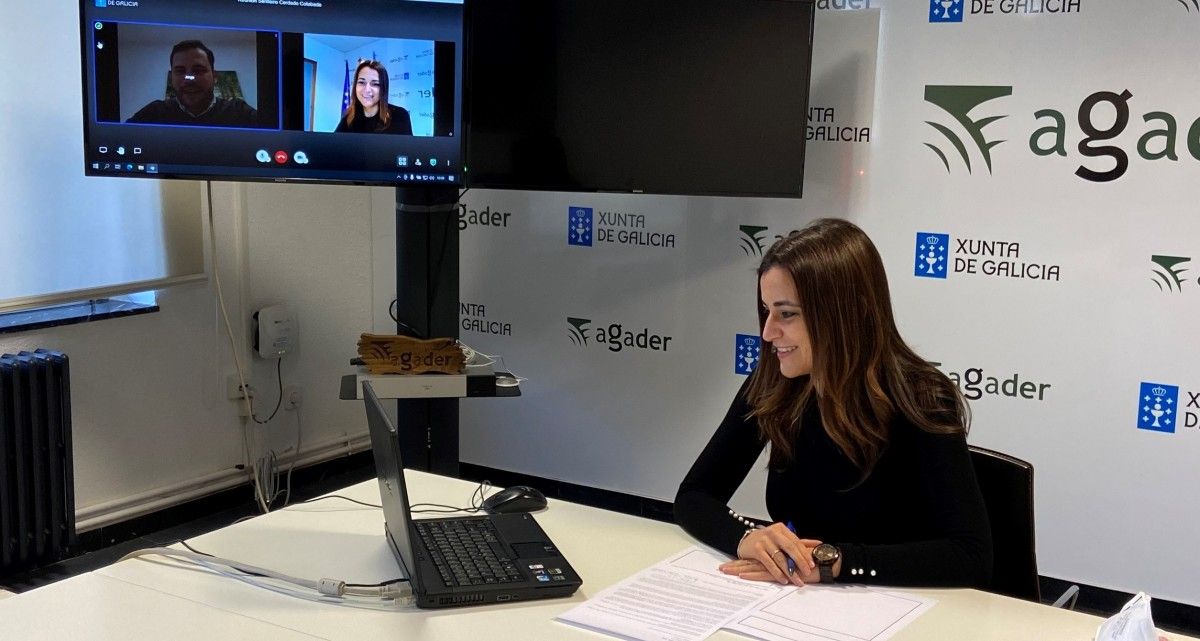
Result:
[{"x": 337, "y": 90}]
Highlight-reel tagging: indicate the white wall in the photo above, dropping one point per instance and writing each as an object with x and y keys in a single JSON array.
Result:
[
  {"x": 151, "y": 420},
  {"x": 43, "y": 193}
]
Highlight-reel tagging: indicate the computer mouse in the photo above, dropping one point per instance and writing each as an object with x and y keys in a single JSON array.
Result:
[{"x": 518, "y": 498}]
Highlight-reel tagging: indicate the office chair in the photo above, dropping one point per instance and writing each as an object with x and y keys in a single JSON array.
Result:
[{"x": 1007, "y": 487}]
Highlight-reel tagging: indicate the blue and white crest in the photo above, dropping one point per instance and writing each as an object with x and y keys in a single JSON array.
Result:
[
  {"x": 945, "y": 10},
  {"x": 1158, "y": 406},
  {"x": 932, "y": 255},
  {"x": 747, "y": 348},
  {"x": 579, "y": 226}
]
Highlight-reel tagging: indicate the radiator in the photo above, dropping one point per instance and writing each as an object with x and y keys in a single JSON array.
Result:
[{"x": 37, "y": 491}]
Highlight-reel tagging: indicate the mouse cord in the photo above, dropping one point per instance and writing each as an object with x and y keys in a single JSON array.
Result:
[{"x": 477, "y": 498}]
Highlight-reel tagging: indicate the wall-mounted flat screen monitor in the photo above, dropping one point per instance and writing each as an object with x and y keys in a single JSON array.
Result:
[
  {"x": 357, "y": 91},
  {"x": 656, "y": 96}
]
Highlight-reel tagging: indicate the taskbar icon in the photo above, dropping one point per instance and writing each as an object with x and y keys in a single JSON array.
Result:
[
  {"x": 125, "y": 167},
  {"x": 427, "y": 178}
]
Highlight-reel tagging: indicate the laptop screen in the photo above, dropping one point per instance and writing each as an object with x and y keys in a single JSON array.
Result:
[{"x": 392, "y": 492}]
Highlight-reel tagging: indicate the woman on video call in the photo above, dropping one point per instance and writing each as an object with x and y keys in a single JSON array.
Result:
[
  {"x": 869, "y": 478},
  {"x": 369, "y": 111}
]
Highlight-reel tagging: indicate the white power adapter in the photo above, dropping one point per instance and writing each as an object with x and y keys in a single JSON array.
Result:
[{"x": 275, "y": 331}]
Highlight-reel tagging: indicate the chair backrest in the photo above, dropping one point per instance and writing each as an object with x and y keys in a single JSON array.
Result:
[{"x": 1007, "y": 487}]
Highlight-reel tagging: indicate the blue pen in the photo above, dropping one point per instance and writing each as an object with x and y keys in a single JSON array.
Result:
[{"x": 791, "y": 564}]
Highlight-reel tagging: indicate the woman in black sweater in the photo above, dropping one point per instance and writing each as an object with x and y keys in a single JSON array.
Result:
[
  {"x": 869, "y": 480},
  {"x": 369, "y": 111}
]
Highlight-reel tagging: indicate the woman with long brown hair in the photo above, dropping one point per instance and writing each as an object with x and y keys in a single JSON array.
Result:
[
  {"x": 369, "y": 111},
  {"x": 869, "y": 479}
]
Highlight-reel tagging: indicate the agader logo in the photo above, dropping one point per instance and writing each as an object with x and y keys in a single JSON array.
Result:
[
  {"x": 959, "y": 101},
  {"x": 975, "y": 384},
  {"x": 578, "y": 330},
  {"x": 1168, "y": 274},
  {"x": 753, "y": 242},
  {"x": 1188, "y": 5},
  {"x": 615, "y": 337},
  {"x": 839, "y": 5},
  {"x": 1164, "y": 137},
  {"x": 481, "y": 217}
]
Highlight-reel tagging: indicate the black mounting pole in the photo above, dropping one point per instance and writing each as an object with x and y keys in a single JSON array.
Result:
[{"x": 427, "y": 300}]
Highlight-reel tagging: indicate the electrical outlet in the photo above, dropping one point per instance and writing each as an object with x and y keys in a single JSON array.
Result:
[
  {"x": 233, "y": 389},
  {"x": 293, "y": 395}
]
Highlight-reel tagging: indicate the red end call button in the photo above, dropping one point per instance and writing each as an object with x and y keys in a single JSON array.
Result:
[{"x": 281, "y": 157}]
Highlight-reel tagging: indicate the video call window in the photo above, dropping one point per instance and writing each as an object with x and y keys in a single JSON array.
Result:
[
  {"x": 190, "y": 76},
  {"x": 410, "y": 68},
  {"x": 251, "y": 90}
]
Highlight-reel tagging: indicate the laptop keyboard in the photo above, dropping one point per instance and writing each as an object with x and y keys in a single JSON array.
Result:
[{"x": 467, "y": 552}]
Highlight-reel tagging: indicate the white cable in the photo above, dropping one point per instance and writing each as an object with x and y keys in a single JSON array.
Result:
[
  {"x": 470, "y": 353},
  {"x": 349, "y": 602},
  {"x": 295, "y": 457},
  {"x": 237, "y": 361},
  {"x": 237, "y": 565},
  {"x": 331, "y": 591}
]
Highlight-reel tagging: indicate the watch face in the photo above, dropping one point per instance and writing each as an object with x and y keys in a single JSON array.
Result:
[{"x": 825, "y": 553}]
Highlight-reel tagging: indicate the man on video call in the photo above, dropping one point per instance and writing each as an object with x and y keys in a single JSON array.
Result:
[{"x": 194, "y": 103}]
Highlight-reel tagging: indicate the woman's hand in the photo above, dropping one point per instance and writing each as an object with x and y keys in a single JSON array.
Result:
[
  {"x": 763, "y": 555},
  {"x": 753, "y": 570}
]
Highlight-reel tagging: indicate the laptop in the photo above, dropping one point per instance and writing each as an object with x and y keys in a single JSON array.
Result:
[{"x": 459, "y": 561}]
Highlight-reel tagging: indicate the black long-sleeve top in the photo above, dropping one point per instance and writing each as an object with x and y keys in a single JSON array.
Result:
[
  {"x": 400, "y": 122},
  {"x": 917, "y": 519}
]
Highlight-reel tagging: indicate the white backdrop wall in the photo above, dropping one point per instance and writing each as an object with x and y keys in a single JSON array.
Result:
[{"x": 1064, "y": 308}]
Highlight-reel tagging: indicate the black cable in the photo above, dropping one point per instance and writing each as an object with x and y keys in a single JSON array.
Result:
[
  {"x": 376, "y": 585},
  {"x": 338, "y": 496},
  {"x": 447, "y": 509},
  {"x": 408, "y": 330},
  {"x": 476, "y": 503},
  {"x": 193, "y": 550},
  {"x": 278, "y": 403},
  {"x": 441, "y": 258}
]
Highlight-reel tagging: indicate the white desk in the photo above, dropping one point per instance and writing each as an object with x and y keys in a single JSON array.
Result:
[{"x": 147, "y": 599}]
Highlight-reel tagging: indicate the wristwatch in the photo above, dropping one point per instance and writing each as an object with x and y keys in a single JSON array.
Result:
[{"x": 825, "y": 555}]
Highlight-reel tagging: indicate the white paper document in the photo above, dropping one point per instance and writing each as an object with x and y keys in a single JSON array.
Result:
[
  {"x": 684, "y": 598},
  {"x": 831, "y": 613}
]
